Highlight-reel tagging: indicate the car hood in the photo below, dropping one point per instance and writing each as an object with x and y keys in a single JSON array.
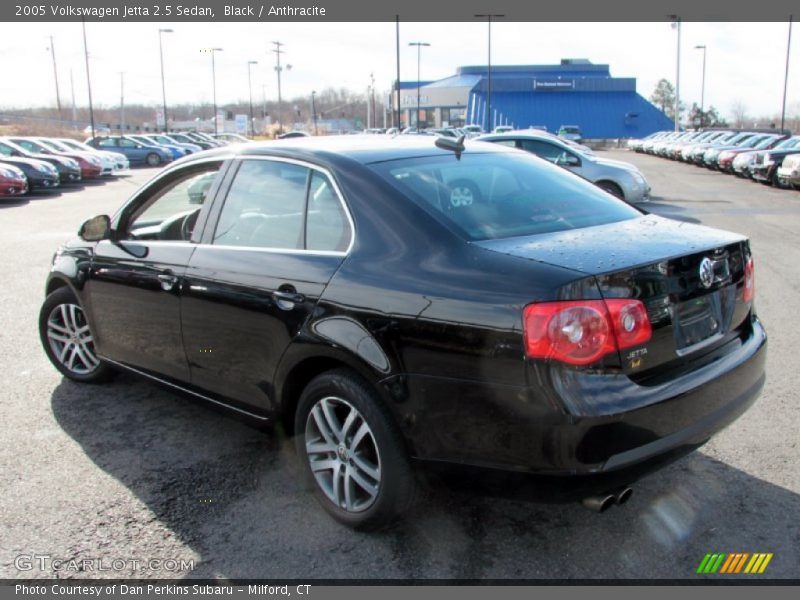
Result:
[
  {"x": 16, "y": 160},
  {"x": 614, "y": 246},
  {"x": 608, "y": 162}
]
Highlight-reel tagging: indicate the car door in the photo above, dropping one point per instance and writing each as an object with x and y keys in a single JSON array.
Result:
[
  {"x": 134, "y": 283},
  {"x": 133, "y": 150},
  {"x": 269, "y": 251}
]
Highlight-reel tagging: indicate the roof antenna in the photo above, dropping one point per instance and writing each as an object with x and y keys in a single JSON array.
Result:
[{"x": 456, "y": 146}]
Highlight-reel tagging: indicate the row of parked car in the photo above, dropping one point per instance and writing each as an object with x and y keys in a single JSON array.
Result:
[
  {"x": 29, "y": 163},
  {"x": 768, "y": 157}
]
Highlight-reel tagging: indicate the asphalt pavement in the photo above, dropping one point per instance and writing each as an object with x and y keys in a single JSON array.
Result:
[{"x": 129, "y": 471}]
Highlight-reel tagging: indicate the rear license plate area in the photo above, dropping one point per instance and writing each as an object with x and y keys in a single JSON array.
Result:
[{"x": 697, "y": 320}]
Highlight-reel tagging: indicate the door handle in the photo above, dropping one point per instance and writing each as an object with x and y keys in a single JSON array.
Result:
[
  {"x": 167, "y": 281},
  {"x": 287, "y": 299}
]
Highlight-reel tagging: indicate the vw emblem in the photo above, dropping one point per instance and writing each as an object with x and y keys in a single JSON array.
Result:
[{"x": 706, "y": 272}]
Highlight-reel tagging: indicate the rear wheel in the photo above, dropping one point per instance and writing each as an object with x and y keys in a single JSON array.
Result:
[
  {"x": 352, "y": 453},
  {"x": 153, "y": 159},
  {"x": 612, "y": 188},
  {"x": 68, "y": 340}
]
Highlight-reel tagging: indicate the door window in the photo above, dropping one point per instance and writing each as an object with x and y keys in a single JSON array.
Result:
[
  {"x": 265, "y": 206},
  {"x": 126, "y": 143},
  {"x": 171, "y": 206},
  {"x": 107, "y": 143}
]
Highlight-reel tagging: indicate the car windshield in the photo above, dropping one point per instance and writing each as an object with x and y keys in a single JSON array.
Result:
[
  {"x": 787, "y": 144},
  {"x": 765, "y": 142},
  {"x": 50, "y": 144},
  {"x": 491, "y": 196}
]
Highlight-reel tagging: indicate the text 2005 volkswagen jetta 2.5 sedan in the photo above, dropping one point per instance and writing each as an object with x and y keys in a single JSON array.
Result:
[{"x": 348, "y": 290}]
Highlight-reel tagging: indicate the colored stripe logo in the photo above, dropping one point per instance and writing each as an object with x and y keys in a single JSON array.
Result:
[{"x": 734, "y": 563}]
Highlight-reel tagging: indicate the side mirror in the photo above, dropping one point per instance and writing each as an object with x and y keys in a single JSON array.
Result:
[
  {"x": 572, "y": 161},
  {"x": 96, "y": 229}
]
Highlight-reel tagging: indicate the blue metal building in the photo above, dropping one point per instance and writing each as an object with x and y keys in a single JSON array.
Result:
[{"x": 575, "y": 92}]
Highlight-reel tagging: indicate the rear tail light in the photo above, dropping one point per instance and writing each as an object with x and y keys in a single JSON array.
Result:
[
  {"x": 581, "y": 332},
  {"x": 749, "y": 281}
]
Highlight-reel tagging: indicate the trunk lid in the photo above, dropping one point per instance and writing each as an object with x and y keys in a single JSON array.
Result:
[{"x": 689, "y": 277}]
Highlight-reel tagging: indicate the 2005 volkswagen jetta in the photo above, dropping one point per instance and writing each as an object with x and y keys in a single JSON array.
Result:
[{"x": 347, "y": 290}]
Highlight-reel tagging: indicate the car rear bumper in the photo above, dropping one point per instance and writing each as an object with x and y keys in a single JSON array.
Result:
[{"x": 524, "y": 430}]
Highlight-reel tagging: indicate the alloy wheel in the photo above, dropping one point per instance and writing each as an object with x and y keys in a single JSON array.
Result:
[
  {"x": 71, "y": 340},
  {"x": 342, "y": 454}
]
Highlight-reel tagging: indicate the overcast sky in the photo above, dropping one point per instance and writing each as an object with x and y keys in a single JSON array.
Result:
[{"x": 745, "y": 60}]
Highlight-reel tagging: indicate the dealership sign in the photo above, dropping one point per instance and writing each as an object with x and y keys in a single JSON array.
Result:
[{"x": 553, "y": 85}]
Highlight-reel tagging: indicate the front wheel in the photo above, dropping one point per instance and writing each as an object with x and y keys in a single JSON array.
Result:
[
  {"x": 612, "y": 188},
  {"x": 351, "y": 451},
  {"x": 68, "y": 340},
  {"x": 153, "y": 159}
]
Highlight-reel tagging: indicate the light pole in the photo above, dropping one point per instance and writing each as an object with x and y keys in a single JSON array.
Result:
[
  {"x": 278, "y": 69},
  {"x": 676, "y": 24},
  {"x": 163, "y": 85},
  {"x": 489, "y": 17},
  {"x": 314, "y": 111},
  {"x": 419, "y": 46},
  {"x": 213, "y": 83},
  {"x": 397, "y": 82},
  {"x": 703, "y": 86},
  {"x": 250, "y": 90}
]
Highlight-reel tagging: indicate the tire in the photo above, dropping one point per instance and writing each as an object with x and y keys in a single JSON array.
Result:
[
  {"x": 67, "y": 339},
  {"x": 612, "y": 188},
  {"x": 152, "y": 159},
  {"x": 351, "y": 452}
]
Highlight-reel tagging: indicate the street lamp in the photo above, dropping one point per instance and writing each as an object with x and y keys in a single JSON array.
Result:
[
  {"x": 703, "y": 87},
  {"x": 419, "y": 46},
  {"x": 489, "y": 17},
  {"x": 52, "y": 49},
  {"x": 250, "y": 90},
  {"x": 163, "y": 85},
  {"x": 676, "y": 24},
  {"x": 314, "y": 111},
  {"x": 88, "y": 79},
  {"x": 278, "y": 69},
  {"x": 214, "y": 82}
]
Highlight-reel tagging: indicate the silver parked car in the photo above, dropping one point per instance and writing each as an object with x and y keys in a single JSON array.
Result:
[{"x": 619, "y": 178}]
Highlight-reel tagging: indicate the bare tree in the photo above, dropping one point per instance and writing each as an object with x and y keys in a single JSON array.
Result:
[{"x": 739, "y": 113}]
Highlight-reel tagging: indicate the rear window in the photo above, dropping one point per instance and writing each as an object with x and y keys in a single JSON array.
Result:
[{"x": 492, "y": 196}]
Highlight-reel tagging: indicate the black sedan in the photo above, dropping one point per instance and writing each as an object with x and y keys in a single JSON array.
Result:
[
  {"x": 345, "y": 291},
  {"x": 67, "y": 169},
  {"x": 40, "y": 174}
]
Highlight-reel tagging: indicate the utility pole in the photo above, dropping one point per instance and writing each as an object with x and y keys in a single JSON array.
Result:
[
  {"x": 88, "y": 79},
  {"x": 397, "y": 85},
  {"x": 703, "y": 86},
  {"x": 489, "y": 17},
  {"x": 74, "y": 107},
  {"x": 55, "y": 76},
  {"x": 278, "y": 68},
  {"x": 786, "y": 76},
  {"x": 121, "y": 102},
  {"x": 314, "y": 111},
  {"x": 213, "y": 51},
  {"x": 163, "y": 85}
]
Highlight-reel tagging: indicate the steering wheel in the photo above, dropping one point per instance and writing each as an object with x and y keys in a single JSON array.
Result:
[{"x": 187, "y": 225}]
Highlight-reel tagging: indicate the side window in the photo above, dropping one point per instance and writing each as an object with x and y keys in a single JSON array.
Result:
[
  {"x": 106, "y": 143},
  {"x": 327, "y": 227},
  {"x": 509, "y": 143},
  {"x": 265, "y": 206},
  {"x": 547, "y": 151},
  {"x": 172, "y": 205},
  {"x": 126, "y": 143}
]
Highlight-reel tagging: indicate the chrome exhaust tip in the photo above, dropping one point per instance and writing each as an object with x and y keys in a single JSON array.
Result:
[
  {"x": 599, "y": 503},
  {"x": 622, "y": 495}
]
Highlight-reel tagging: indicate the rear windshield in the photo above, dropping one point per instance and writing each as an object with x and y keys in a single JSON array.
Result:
[{"x": 492, "y": 196}]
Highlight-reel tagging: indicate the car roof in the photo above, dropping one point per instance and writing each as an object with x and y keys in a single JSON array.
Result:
[{"x": 365, "y": 149}]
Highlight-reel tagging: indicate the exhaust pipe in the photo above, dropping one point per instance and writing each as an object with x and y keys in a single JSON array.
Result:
[
  {"x": 622, "y": 495},
  {"x": 600, "y": 503}
]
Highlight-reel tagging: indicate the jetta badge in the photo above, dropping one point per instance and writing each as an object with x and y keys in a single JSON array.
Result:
[{"x": 706, "y": 272}]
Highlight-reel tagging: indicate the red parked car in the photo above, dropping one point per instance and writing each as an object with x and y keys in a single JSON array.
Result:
[{"x": 12, "y": 181}]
